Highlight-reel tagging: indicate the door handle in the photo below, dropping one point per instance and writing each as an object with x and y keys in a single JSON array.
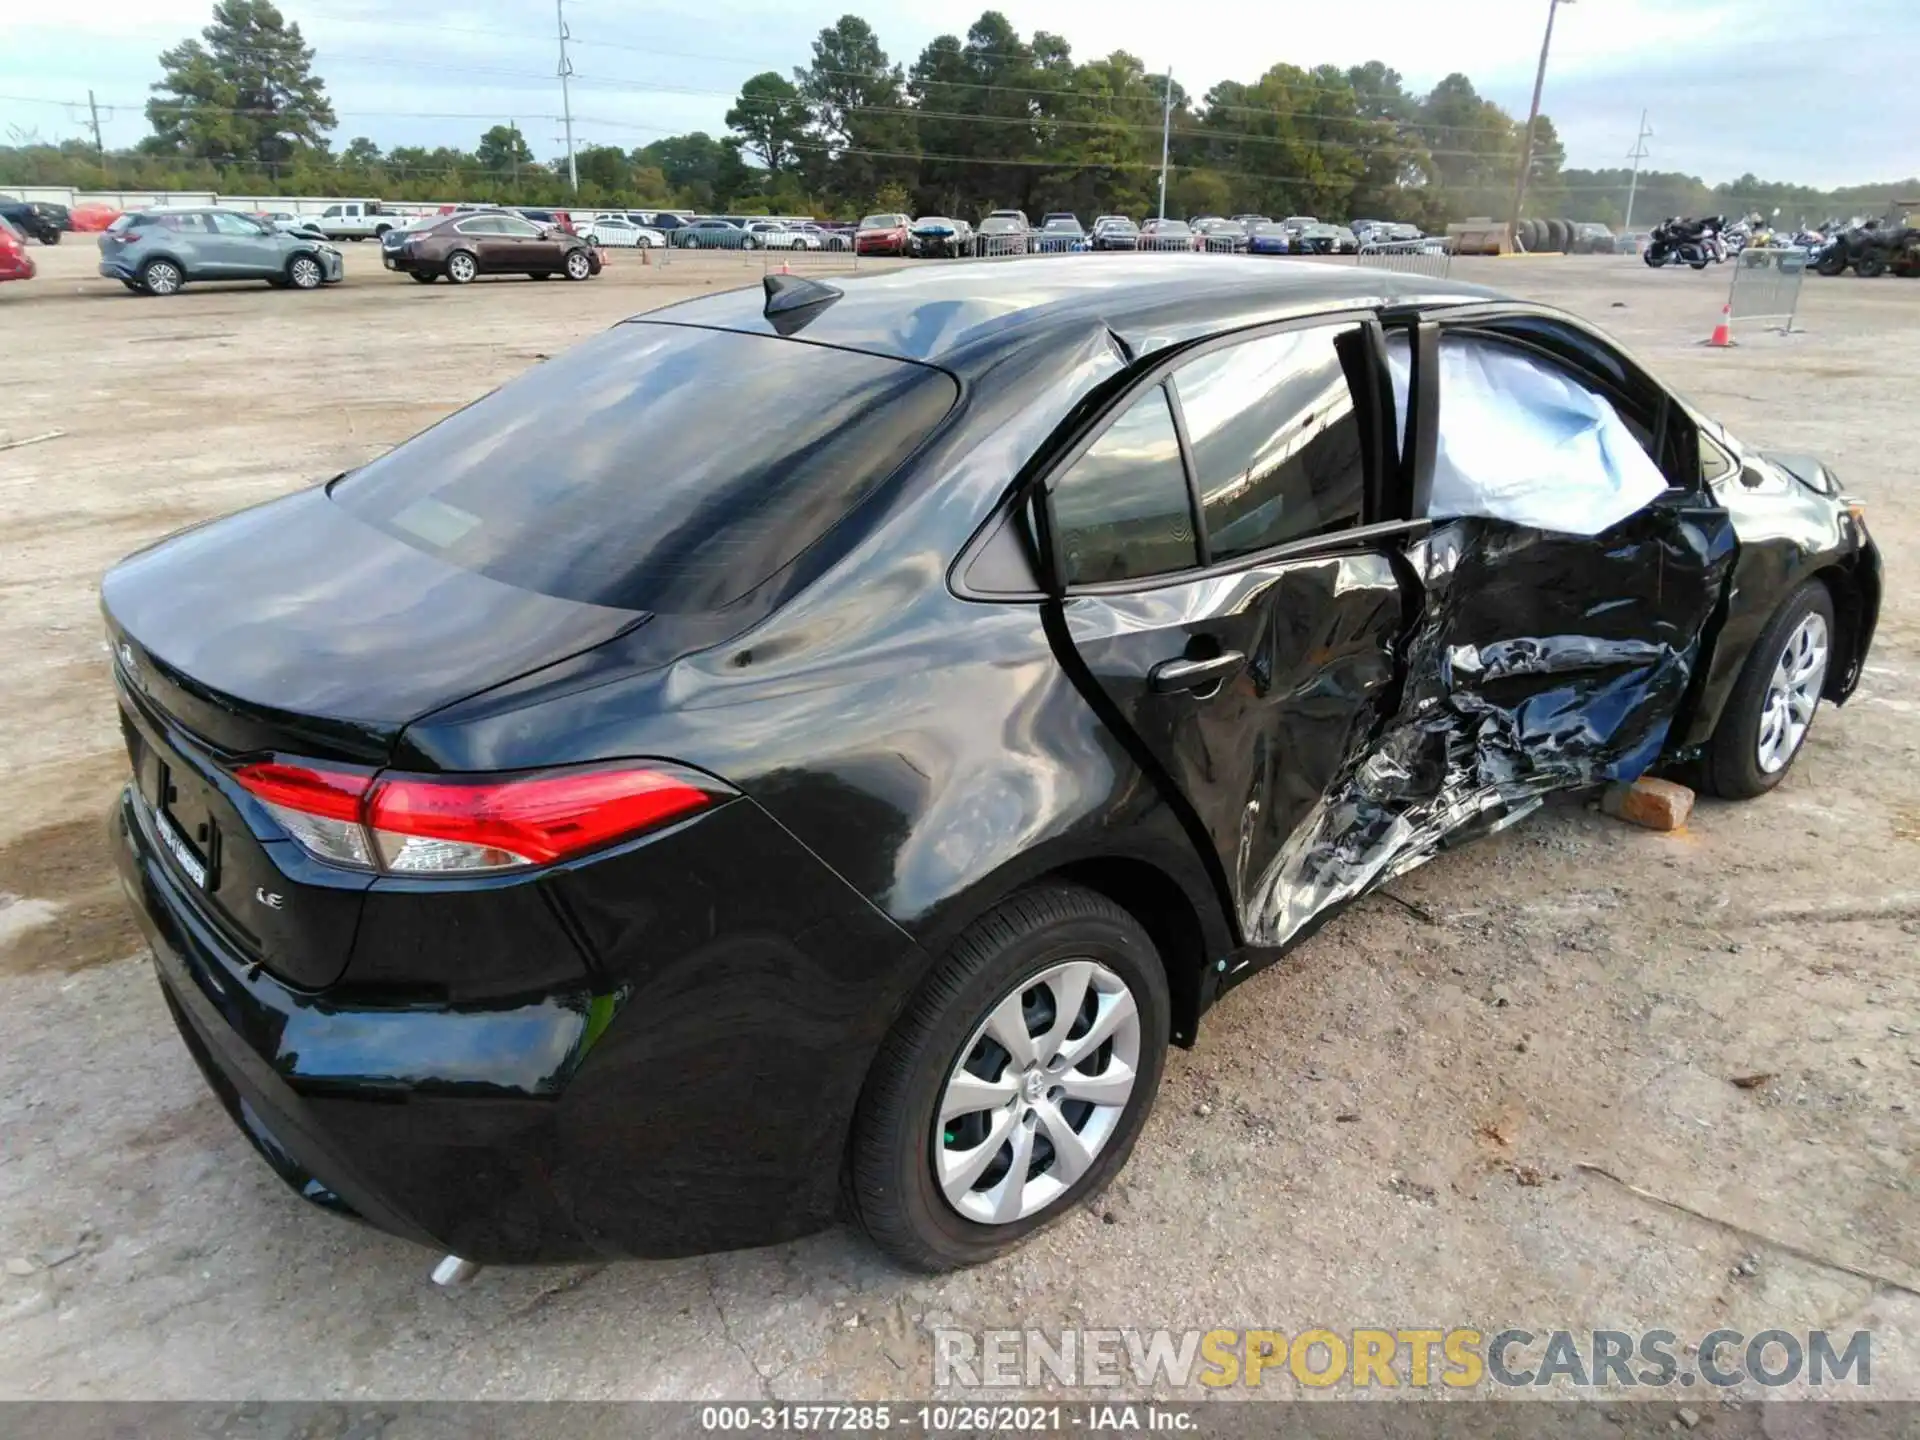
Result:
[{"x": 1170, "y": 676}]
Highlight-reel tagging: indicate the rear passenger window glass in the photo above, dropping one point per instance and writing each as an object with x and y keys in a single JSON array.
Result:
[
  {"x": 1121, "y": 511},
  {"x": 1276, "y": 444},
  {"x": 657, "y": 467}
]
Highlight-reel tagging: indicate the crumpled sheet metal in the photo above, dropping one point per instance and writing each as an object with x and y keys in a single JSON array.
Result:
[{"x": 1469, "y": 749}]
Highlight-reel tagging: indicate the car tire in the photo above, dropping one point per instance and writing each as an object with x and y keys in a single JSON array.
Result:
[
  {"x": 161, "y": 277},
  {"x": 1779, "y": 685},
  {"x": 423, "y": 277},
  {"x": 1016, "y": 965},
  {"x": 1871, "y": 265},
  {"x": 578, "y": 265},
  {"x": 305, "y": 273},
  {"x": 462, "y": 268},
  {"x": 133, "y": 285}
]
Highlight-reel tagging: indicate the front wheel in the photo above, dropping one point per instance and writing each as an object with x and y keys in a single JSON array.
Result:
[
  {"x": 423, "y": 277},
  {"x": 1016, "y": 1082},
  {"x": 1771, "y": 708},
  {"x": 304, "y": 273},
  {"x": 579, "y": 265},
  {"x": 1871, "y": 265}
]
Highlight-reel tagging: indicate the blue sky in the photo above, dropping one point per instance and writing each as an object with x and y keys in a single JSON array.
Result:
[{"x": 1815, "y": 93}]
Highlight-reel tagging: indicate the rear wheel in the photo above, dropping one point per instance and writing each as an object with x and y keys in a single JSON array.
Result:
[
  {"x": 161, "y": 277},
  {"x": 1016, "y": 1082},
  {"x": 1771, "y": 708},
  {"x": 1871, "y": 265},
  {"x": 462, "y": 268}
]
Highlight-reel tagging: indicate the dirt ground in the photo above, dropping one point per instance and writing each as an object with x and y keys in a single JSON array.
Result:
[{"x": 1389, "y": 1130}]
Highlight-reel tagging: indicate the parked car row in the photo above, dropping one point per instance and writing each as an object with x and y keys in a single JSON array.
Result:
[{"x": 1011, "y": 232}]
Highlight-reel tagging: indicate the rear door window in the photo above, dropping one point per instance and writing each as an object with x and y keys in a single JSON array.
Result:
[
  {"x": 1122, "y": 511},
  {"x": 1276, "y": 442},
  {"x": 656, "y": 467}
]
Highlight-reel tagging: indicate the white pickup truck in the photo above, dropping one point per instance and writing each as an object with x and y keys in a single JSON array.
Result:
[{"x": 356, "y": 220}]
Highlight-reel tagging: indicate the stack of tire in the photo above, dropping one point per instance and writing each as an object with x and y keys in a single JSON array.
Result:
[{"x": 1541, "y": 237}]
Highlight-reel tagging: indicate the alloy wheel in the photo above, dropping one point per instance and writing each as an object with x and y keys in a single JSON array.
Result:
[
  {"x": 1038, "y": 1091},
  {"x": 1793, "y": 693},
  {"x": 578, "y": 266},
  {"x": 305, "y": 273},
  {"x": 162, "y": 277},
  {"x": 461, "y": 269}
]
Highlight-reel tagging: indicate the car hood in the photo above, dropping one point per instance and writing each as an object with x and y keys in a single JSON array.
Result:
[{"x": 294, "y": 624}]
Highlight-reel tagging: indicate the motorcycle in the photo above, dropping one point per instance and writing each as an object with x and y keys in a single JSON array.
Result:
[
  {"x": 1869, "y": 250},
  {"x": 1684, "y": 242}
]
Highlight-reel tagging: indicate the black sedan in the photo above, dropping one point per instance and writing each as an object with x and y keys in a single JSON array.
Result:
[{"x": 544, "y": 866}]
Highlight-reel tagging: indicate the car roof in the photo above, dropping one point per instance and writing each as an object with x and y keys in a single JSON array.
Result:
[{"x": 967, "y": 315}]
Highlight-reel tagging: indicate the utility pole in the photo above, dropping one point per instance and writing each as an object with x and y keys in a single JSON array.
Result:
[
  {"x": 513, "y": 148},
  {"x": 1533, "y": 114},
  {"x": 1636, "y": 155},
  {"x": 1166, "y": 136},
  {"x": 566, "y": 96},
  {"x": 93, "y": 109}
]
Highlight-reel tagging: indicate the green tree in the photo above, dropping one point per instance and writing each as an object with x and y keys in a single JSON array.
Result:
[
  {"x": 503, "y": 148},
  {"x": 862, "y": 135},
  {"x": 360, "y": 151},
  {"x": 604, "y": 167},
  {"x": 248, "y": 93},
  {"x": 772, "y": 121},
  {"x": 1475, "y": 147}
]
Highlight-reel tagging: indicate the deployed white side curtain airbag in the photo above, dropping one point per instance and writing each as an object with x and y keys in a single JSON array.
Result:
[{"x": 1522, "y": 442}]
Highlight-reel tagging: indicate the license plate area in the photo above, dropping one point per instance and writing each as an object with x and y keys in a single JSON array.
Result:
[{"x": 186, "y": 825}]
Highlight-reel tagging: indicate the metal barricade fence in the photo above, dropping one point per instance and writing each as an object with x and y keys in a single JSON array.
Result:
[
  {"x": 1165, "y": 244},
  {"x": 1432, "y": 258},
  {"x": 999, "y": 246},
  {"x": 1766, "y": 285},
  {"x": 1218, "y": 245},
  {"x": 1060, "y": 245}
]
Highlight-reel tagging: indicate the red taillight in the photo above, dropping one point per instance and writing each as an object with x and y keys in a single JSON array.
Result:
[
  {"x": 415, "y": 824},
  {"x": 539, "y": 820},
  {"x": 329, "y": 794}
]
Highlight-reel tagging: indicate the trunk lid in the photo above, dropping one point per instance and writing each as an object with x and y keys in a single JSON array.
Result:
[{"x": 295, "y": 629}]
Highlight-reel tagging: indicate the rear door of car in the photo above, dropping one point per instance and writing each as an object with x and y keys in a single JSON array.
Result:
[
  {"x": 1232, "y": 589},
  {"x": 189, "y": 237},
  {"x": 482, "y": 235}
]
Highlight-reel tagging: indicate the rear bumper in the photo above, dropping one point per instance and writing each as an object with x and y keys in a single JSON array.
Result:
[
  {"x": 117, "y": 270},
  {"x": 695, "y": 1097}
]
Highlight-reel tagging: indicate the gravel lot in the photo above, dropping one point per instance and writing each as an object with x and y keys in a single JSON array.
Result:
[{"x": 1386, "y": 1131}]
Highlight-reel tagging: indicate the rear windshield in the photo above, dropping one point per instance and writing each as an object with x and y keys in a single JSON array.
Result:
[{"x": 656, "y": 467}]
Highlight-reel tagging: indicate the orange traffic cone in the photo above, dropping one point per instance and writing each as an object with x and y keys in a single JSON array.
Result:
[
  {"x": 1722, "y": 336},
  {"x": 785, "y": 269}
]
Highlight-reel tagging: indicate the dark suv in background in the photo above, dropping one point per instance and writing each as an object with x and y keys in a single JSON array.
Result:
[{"x": 36, "y": 219}]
